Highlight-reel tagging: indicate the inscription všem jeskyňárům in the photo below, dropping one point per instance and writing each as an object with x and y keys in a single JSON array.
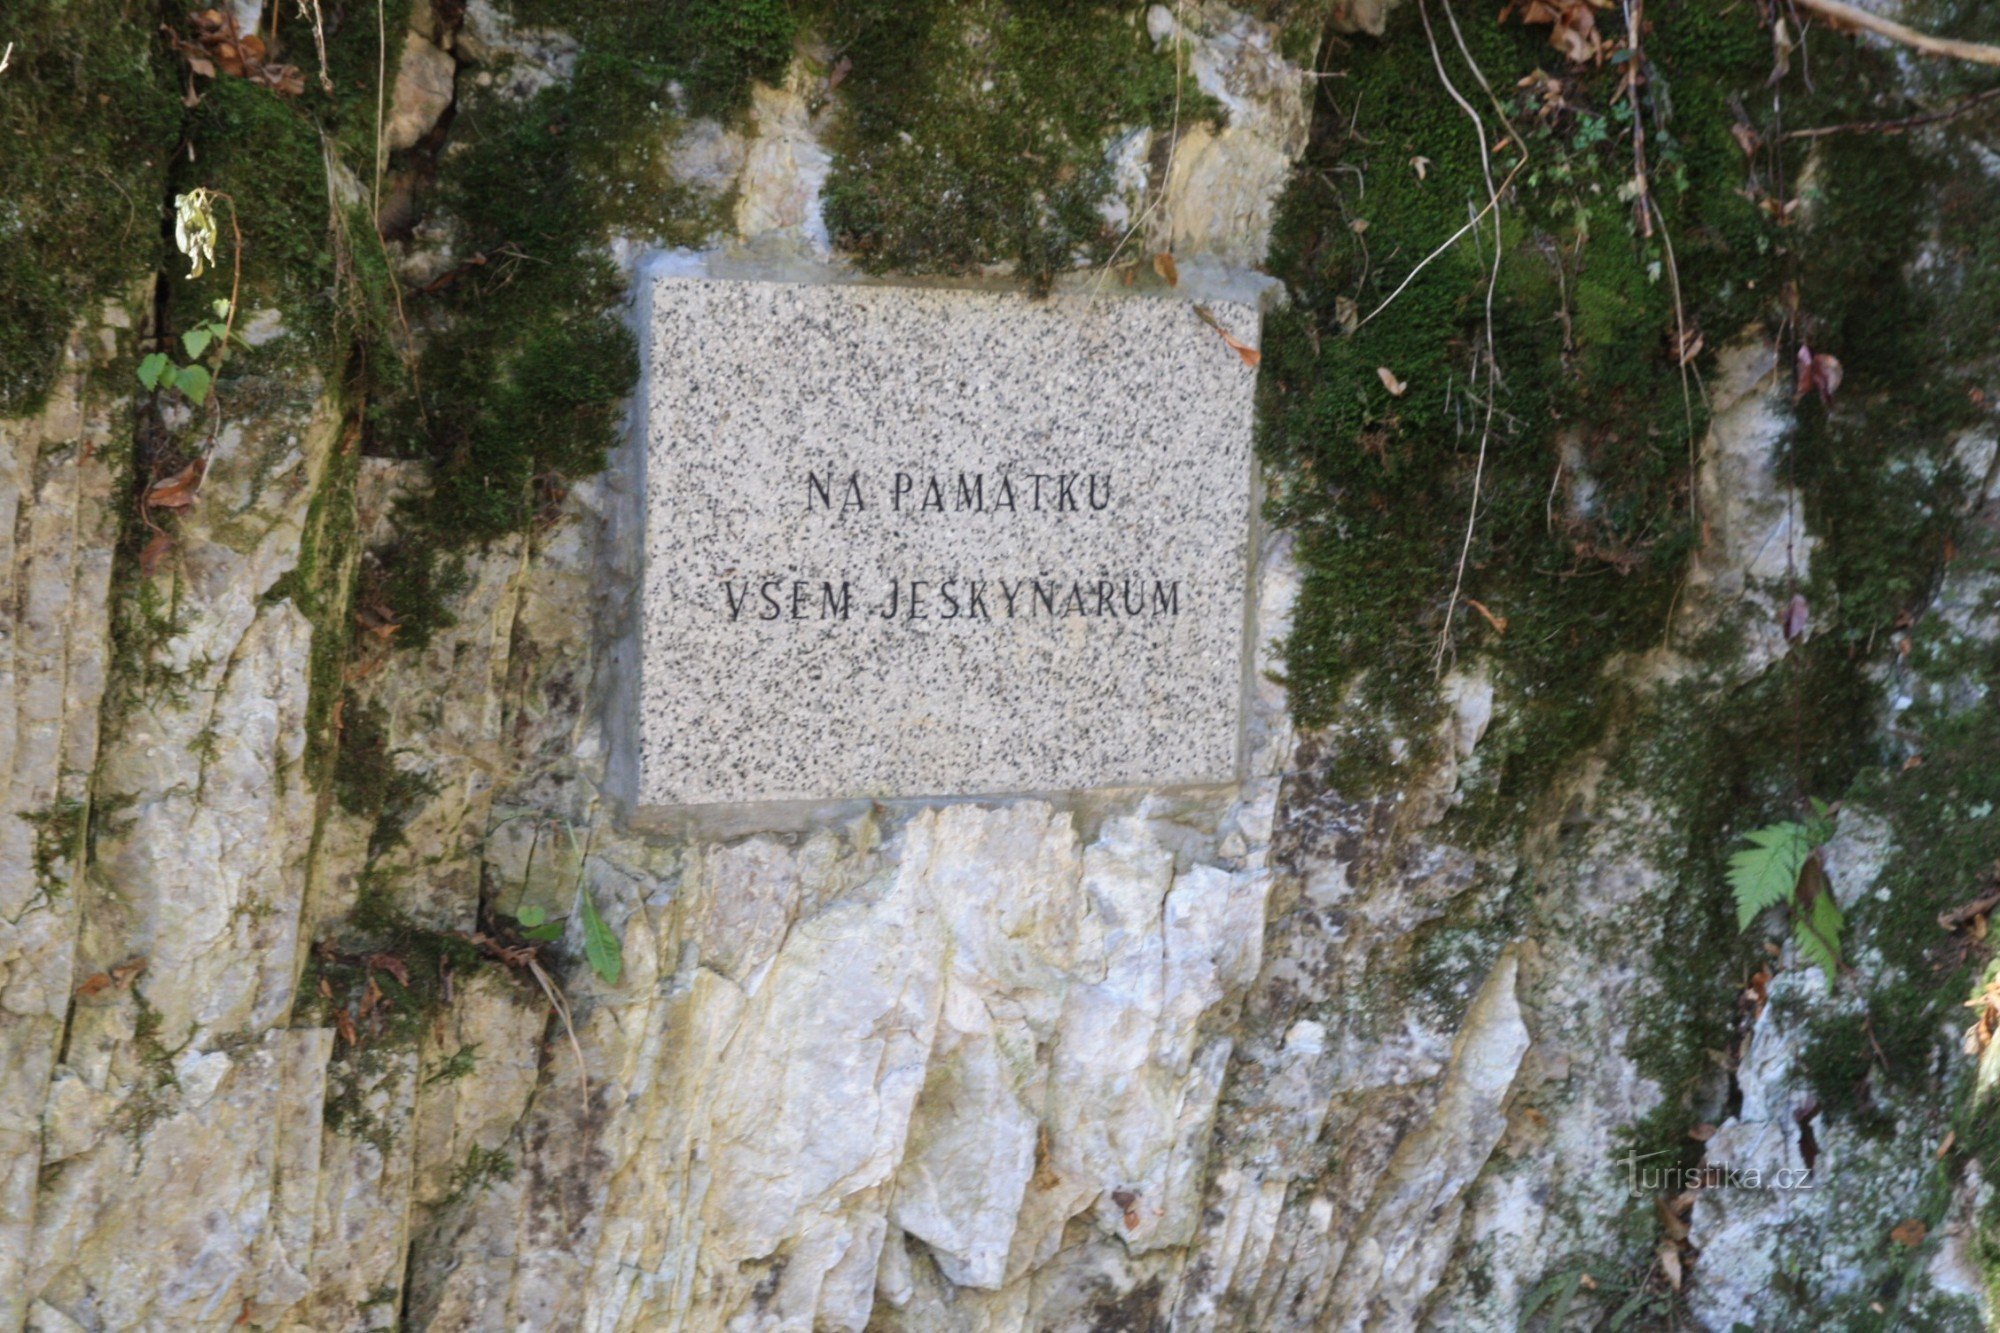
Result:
[{"x": 787, "y": 597}]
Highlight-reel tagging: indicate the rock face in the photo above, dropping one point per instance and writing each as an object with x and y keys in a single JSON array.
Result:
[{"x": 1301, "y": 1053}]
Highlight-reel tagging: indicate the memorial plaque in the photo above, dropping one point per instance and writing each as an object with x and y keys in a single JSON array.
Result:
[{"x": 908, "y": 541}]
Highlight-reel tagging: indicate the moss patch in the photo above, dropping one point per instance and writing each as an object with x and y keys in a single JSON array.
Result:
[
  {"x": 1591, "y": 415},
  {"x": 87, "y": 127},
  {"x": 974, "y": 134}
]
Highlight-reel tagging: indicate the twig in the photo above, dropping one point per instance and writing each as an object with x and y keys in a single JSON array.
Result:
[
  {"x": 381, "y": 80},
  {"x": 1449, "y": 241},
  {"x": 1853, "y": 16},
  {"x": 6, "y": 57},
  {"x": 1635, "y": 70},
  {"x": 319, "y": 41},
  {"x": 562, "y": 1011},
  {"x": 1492, "y": 365},
  {"x": 1952, "y": 112}
]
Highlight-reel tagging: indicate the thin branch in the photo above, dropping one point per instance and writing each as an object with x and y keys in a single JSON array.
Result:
[
  {"x": 381, "y": 82},
  {"x": 1952, "y": 112},
  {"x": 1492, "y": 365},
  {"x": 1449, "y": 241},
  {"x": 1853, "y": 16}
]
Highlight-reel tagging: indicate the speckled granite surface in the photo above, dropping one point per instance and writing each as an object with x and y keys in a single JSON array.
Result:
[{"x": 919, "y": 541}]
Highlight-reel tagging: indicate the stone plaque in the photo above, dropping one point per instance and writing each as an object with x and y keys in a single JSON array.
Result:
[{"x": 909, "y": 541}]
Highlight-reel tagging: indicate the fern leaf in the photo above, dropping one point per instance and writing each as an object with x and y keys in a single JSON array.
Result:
[
  {"x": 1817, "y": 930},
  {"x": 1765, "y": 873}
]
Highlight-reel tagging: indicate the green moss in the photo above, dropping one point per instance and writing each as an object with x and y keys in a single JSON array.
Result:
[
  {"x": 87, "y": 125},
  {"x": 974, "y": 134},
  {"x": 367, "y": 780},
  {"x": 1379, "y": 486},
  {"x": 59, "y": 841},
  {"x": 523, "y": 385},
  {"x": 481, "y": 1167}
]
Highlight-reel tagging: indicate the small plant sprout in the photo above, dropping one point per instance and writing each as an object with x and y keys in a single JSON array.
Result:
[
  {"x": 535, "y": 924},
  {"x": 208, "y": 339}
]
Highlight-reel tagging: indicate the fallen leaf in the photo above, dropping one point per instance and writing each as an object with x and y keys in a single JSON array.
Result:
[
  {"x": 177, "y": 491},
  {"x": 1420, "y": 165},
  {"x": 1251, "y": 356},
  {"x": 218, "y": 44},
  {"x": 1346, "y": 313},
  {"x": 1669, "y": 1255},
  {"x": 1359, "y": 226},
  {"x": 1795, "y": 619},
  {"x": 1670, "y": 1221},
  {"x": 1746, "y": 138},
  {"x": 391, "y": 964},
  {"x": 1950, "y": 1137},
  {"x": 841, "y": 68},
  {"x": 1702, "y": 1133},
  {"x": 154, "y": 552},
  {"x": 1397, "y": 388},
  {"x": 1914, "y": 761},
  {"x": 1909, "y": 1233},
  {"x": 1572, "y": 25},
  {"x": 345, "y": 1027},
  {"x": 1816, "y": 371},
  {"x": 1164, "y": 265}
]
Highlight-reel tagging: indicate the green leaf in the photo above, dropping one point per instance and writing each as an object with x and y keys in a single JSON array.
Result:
[
  {"x": 151, "y": 369},
  {"x": 193, "y": 381},
  {"x": 1817, "y": 931},
  {"x": 1765, "y": 873},
  {"x": 197, "y": 339},
  {"x": 1555, "y": 1294},
  {"x": 221, "y": 307},
  {"x": 531, "y": 915},
  {"x": 600, "y": 946}
]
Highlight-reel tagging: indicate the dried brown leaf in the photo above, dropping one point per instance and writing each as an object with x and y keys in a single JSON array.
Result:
[
  {"x": 1164, "y": 265},
  {"x": 1671, "y": 1222},
  {"x": 177, "y": 491},
  {"x": 391, "y": 964},
  {"x": 154, "y": 552},
  {"x": 1909, "y": 1233},
  {"x": 1397, "y": 388}
]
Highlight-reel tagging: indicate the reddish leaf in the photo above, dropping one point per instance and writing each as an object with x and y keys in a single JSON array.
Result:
[
  {"x": 1909, "y": 1233},
  {"x": 155, "y": 551},
  {"x": 391, "y": 964},
  {"x": 1816, "y": 372},
  {"x": 1795, "y": 620},
  {"x": 177, "y": 491}
]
